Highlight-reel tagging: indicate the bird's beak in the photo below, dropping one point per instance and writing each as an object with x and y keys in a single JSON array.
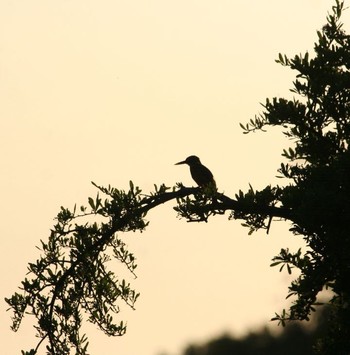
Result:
[{"x": 181, "y": 162}]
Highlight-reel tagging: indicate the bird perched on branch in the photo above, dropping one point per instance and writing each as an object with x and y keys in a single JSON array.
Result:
[{"x": 200, "y": 174}]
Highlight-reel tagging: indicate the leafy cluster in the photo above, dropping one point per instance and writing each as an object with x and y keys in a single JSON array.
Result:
[
  {"x": 253, "y": 203},
  {"x": 199, "y": 206},
  {"x": 72, "y": 278},
  {"x": 317, "y": 120}
]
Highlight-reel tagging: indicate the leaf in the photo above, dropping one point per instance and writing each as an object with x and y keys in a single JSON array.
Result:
[
  {"x": 91, "y": 203},
  {"x": 275, "y": 263}
]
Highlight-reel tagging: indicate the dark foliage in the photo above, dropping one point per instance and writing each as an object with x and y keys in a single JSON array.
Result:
[{"x": 294, "y": 339}]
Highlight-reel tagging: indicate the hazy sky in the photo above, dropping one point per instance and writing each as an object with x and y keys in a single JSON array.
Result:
[{"x": 116, "y": 90}]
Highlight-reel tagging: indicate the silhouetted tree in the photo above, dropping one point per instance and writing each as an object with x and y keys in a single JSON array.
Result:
[
  {"x": 294, "y": 339},
  {"x": 72, "y": 279}
]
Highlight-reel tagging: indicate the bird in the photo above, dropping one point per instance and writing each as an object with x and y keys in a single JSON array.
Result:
[{"x": 200, "y": 173}]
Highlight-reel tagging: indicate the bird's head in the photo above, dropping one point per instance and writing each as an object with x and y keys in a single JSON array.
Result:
[{"x": 191, "y": 160}]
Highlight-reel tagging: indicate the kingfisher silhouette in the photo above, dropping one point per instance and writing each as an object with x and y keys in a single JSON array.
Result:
[{"x": 200, "y": 174}]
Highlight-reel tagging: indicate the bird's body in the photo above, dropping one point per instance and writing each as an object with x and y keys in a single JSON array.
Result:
[{"x": 200, "y": 173}]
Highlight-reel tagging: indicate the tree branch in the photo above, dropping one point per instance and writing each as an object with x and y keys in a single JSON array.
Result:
[{"x": 221, "y": 203}]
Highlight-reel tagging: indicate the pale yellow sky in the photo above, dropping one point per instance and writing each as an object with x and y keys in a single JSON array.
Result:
[{"x": 116, "y": 90}]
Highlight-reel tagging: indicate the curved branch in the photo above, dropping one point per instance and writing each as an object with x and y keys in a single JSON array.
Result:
[
  {"x": 221, "y": 203},
  {"x": 227, "y": 203}
]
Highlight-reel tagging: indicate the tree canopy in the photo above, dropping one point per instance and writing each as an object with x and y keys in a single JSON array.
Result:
[
  {"x": 72, "y": 281},
  {"x": 295, "y": 338}
]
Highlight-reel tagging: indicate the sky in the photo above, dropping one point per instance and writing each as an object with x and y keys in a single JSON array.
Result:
[{"x": 111, "y": 91}]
